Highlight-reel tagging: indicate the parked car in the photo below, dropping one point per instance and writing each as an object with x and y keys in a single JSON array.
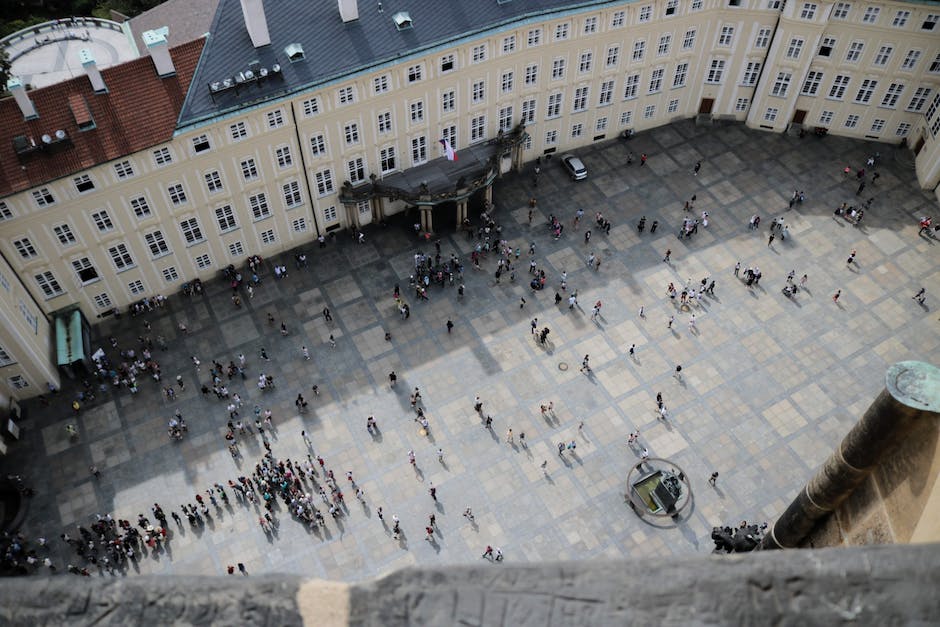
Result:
[{"x": 575, "y": 167}]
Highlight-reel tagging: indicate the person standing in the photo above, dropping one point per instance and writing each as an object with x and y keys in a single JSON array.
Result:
[
  {"x": 643, "y": 159},
  {"x": 835, "y": 297},
  {"x": 698, "y": 166},
  {"x": 585, "y": 365},
  {"x": 668, "y": 255},
  {"x": 713, "y": 478},
  {"x": 450, "y": 326}
]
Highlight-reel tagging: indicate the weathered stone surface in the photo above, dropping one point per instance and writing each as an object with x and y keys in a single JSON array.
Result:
[{"x": 886, "y": 585}]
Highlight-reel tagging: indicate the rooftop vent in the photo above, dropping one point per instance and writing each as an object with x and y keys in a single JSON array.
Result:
[
  {"x": 87, "y": 59},
  {"x": 27, "y": 108},
  {"x": 349, "y": 10},
  {"x": 294, "y": 52},
  {"x": 402, "y": 20}
]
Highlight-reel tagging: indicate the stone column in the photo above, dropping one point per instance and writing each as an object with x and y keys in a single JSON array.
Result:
[
  {"x": 911, "y": 394},
  {"x": 461, "y": 212},
  {"x": 488, "y": 194},
  {"x": 427, "y": 224},
  {"x": 352, "y": 214}
]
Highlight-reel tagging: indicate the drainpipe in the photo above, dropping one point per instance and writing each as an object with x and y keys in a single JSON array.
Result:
[{"x": 303, "y": 165}]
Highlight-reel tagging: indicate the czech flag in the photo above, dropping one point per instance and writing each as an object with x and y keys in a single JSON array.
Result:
[{"x": 449, "y": 150}]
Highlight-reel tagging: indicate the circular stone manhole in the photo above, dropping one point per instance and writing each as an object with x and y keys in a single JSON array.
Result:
[{"x": 563, "y": 366}]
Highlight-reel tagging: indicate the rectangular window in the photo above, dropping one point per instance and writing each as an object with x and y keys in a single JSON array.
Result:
[
  {"x": 580, "y": 99},
  {"x": 534, "y": 37},
  {"x": 531, "y": 74},
  {"x": 770, "y": 115},
  {"x": 448, "y": 101},
  {"x": 417, "y": 111},
  {"x": 275, "y": 118},
  {"x": 910, "y": 60},
  {"x": 600, "y": 125},
  {"x": 626, "y": 118},
  {"x": 673, "y": 106},
  {"x": 329, "y": 214},
  {"x": 665, "y": 41},
  {"x": 811, "y": 84},
  {"x": 191, "y": 231},
  {"x": 825, "y": 117},
  {"x": 639, "y": 49},
  {"x": 554, "y": 105},
  {"x": 25, "y": 248},
  {"x": 291, "y": 194},
  {"x": 50, "y": 288},
  {"x": 103, "y": 221},
  {"x": 509, "y": 44},
  {"x": 387, "y": 159},
  {"x": 871, "y": 15},
  {"x": 419, "y": 150},
  {"x": 43, "y": 197},
  {"x": 249, "y": 169},
  {"x": 201, "y": 143},
  {"x": 741, "y": 104},
  {"x": 505, "y": 119},
  {"x": 203, "y": 261},
  {"x": 715, "y": 71},
  {"x": 606, "y": 93},
  {"x": 528, "y": 111},
  {"x": 324, "y": 180},
  {"x": 5, "y": 212},
  {"x": 825, "y": 48},
  {"x": 839, "y": 85},
  {"x": 884, "y": 54},
  {"x": 346, "y": 95},
  {"x": 630, "y": 86},
  {"x": 682, "y": 70},
  {"x": 103, "y": 301},
  {"x": 795, "y": 48},
  {"x": 380, "y": 84},
  {"x": 268, "y": 237},
  {"x": 310, "y": 107},
  {"x": 921, "y": 94},
  {"x": 238, "y": 131},
  {"x": 903, "y": 129},
  {"x": 450, "y": 134},
  {"x": 235, "y": 249},
  {"x": 259, "y": 206},
  {"x": 170, "y": 275},
  {"x": 447, "y": 63},
  {"x": 505, "y": 82},
  {"x": 590, "y": 25},
  {"x": 162, "y": 156},
  {"x": 85, "y": 270},
  {"x": 841, "y": 10},
  {"x": 5, "y": 359},
  {"x": 121, "y": 257},
  {"x": 356, "y": 170},
  {"x": 877, "y": 126},
  {"x": 585, "y": 62},
  {"x": 551, "y": 138},
  {"x": 935, "y": 65},
  {"x": 930, "y": 22},
  {"x": 671, "y": 7},
  {"x": 478, "y": 128},
  {"x": 808, "y": 11},
  {"x": 283, "y": 157},
  {"x": 577, "y": 130},
  {"x": 649, "y": 112},
  {"x": 213, "y": 182},
  {"x": 64, "y": 234},
  {"x": 83, "y": 183},
  {"x": 225, "y": 217},
  {"x": 656, "y": 80},
  {"x": 865, "y": 91},
  {"x": 751, "y": 72},
  {"x": 561, "y": 31},
  {"x": 478, "y": 91},
  {"x": 763, "y": 37},
  {"x": 384, "y": 124},
  {"x": 781, "y": 85},
  {"x": 726, "y": 36},
  {"x": 176, "y": 193},
  {"x": 851, "y": 121},
  {"x": 351, "y": 133},
  {"x": 157, "y": 244},
  {"x": 299, "y": 225},
  {"x": 478, "y": 53},
  {"x": 613, "y": 56},
  {"x": 136, "y": 287},
  {"x": 900, "y": 19},
  {"x": 891, "y": 97},
  {"x": 617, "y": 19},
  {"x": 645, "y": 13},
  {"x": 140, "y": 207},
  {"x": 558, "y": 69},
  {"x": 415, "y": 73}
]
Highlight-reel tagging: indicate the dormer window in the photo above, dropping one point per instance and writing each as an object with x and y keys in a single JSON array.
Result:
[
  {"x": 294, "y": 52},
  {"x": 402, "y": 20}
]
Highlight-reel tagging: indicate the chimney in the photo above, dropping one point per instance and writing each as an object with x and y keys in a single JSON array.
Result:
[
  {"x": 349, "y": 10},
  {"x": 15, "y": 87},
  {"x": 155, "y": 40},
  {"x": 91, "y": 68},
  {"x": 256, "y": 23}
]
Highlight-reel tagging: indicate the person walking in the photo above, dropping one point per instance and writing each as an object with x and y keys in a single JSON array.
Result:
[
  {"x": 585, "y": 365},
  {"x": 305, "y": 352},
  {"x": 770, "y": 239},
  {"x": 643, "y": 159},
  {"x": 678, "y": 373},
  {"x": 668, "y": 255},
  {"x": 851, "y": 258},
  {"x": 450, "y": 326},
  {"x": 670, "y": 321},
  {"x": 713, "y": 478},
  {"x": 835, "y": 297}
]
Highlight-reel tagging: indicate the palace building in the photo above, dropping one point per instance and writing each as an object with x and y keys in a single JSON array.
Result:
[{"x": 292, "y": 119}]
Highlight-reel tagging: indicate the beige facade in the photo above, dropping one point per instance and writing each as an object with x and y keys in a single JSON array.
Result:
[{"x": 268, "y": 178}]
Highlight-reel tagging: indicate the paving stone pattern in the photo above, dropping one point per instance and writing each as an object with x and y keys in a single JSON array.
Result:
[{"x": 770, "y": 385}]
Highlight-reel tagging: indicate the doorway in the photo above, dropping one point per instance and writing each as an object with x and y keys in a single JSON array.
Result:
[
  {"x": 798, "y": 116},
  {"x": 706, "y": 106}
]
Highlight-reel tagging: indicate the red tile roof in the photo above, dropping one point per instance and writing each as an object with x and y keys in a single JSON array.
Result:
[{"x": 139, "y": 110}]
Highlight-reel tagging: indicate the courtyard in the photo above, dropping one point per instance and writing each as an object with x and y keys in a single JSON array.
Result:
[{"x": 770, "y": 384}]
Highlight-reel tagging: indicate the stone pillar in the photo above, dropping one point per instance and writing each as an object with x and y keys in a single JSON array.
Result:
[
  {"x": 911, "y": 395},
  {"x": 378, "y": 208},
  {"x": 488, "y": 194},
  {"x": 352, "y": 214},
  {"x": 461, "y": 212},
  {"x": 427, "y": 224}
]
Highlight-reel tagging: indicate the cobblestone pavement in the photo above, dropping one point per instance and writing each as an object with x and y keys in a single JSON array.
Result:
[{"x": 769, "y": 384}]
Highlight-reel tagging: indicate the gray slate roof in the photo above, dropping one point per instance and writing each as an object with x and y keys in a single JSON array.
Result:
[
  {"x": 333, "y": 49},
  {"x": 186, "y": 19}
]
